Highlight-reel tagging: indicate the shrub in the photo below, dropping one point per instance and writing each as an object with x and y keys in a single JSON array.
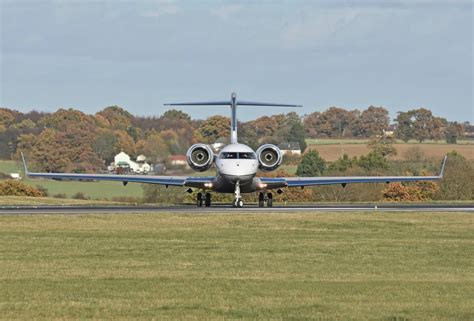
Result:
[
  {"x": 17, "y": 188},
  {"x": 311, "y": 165},
  {"x": 80, "y": 196},
  {"x": 457, "y": 181},
  {"x": 60, "y": 195},
  {"x": 373, "y": 161},
  {"x": 419, "y": 191},
  {"x": 4, "y": 176},
  {"x": 43, "y": 190},
  {"x": 161, "y": 194}
]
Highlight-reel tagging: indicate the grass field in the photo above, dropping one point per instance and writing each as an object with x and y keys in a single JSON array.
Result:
[
  {"x": 33, "y": 201},
  {"x": 327, "y": 266}
]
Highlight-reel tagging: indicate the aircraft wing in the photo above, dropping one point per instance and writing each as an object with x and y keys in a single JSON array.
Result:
[
  {"x": 279, "y": 182},
  {"x": 184, "y": 181}
]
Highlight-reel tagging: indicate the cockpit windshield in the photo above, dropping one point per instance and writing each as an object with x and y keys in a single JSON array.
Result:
[
  {"x": 231, "y": 155},
  {"x": 247, "y": 156}
]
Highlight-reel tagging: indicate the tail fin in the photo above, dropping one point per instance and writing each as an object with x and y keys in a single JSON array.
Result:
[{"x": 233, "y": 103}]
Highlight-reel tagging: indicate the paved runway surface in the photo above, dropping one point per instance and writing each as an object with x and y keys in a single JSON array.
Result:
[{"x": 31, "y": 210}]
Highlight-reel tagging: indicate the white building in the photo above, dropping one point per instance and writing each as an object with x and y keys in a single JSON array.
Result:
[
  {"x": 124, "y": 161},
  {"x": 15, "y": 176},
  {"x": 291, "y": 148}
]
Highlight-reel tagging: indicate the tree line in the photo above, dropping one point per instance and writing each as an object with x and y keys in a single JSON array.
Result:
[{"x": 70, "y": 140}]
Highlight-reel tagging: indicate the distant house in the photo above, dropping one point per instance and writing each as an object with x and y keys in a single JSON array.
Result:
[
  {"x": 15, "y": 176},
  {"x": 123, "y": 163},
  {"x": 291, "y": 148},
  {"x": 178, "y": 160},
  {"x": 389, "y": 131}
]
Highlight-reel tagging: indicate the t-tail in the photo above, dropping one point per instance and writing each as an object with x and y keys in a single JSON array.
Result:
[{"x": 233, "y": 103}]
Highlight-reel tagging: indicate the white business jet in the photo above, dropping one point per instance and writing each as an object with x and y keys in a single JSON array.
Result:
[{"x": 236, "y": 167}]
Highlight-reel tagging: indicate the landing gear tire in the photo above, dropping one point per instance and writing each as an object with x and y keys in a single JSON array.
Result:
[
  {"x": 261, "y": 200},
  {"x": 199, "y": 200},
  {"x": 269, "y": 200},
  {"x": 238, "y": 203},
  {"x": 208, "y": 200}
]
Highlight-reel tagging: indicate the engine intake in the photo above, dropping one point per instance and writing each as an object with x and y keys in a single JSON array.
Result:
[
  {"x": 269, "y": 157},
  {"x": 200, "y": 157}
]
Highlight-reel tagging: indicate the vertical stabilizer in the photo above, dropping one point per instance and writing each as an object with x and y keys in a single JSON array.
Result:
[
  {"x": 233, "y": 119},
  {"x": 233, "y": 103}
]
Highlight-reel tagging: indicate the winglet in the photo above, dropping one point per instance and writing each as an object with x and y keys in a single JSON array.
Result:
[
  {"x": 24, "y": 164},
  {"x": 441, "y": 173}
]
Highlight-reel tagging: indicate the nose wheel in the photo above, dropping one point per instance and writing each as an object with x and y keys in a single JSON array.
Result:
[
  {"x": 238, "y": 203},
  {"x": 238, "y": 198}
]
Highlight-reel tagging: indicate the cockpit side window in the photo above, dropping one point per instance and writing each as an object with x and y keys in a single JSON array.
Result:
[{"x": 247, "y": 156}]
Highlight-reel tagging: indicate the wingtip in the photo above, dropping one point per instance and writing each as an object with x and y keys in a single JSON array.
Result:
[
  {"x": 441, "y": 173},
  {"x": 25, "y": 167}
]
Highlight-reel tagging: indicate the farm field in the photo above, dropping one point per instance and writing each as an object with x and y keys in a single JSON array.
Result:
[
  {"x": 337, "y": 266},
  {"x": 332, "y": 152},
  {"x": 331, "y": 141}
]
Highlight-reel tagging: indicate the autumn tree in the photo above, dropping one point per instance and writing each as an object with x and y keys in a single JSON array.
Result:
[
  {"x": 311, "y": 123},
  {"x": 405, "y": 130},
  {"x": 372, "y": 122},
  {"x": 6, "y": 117},
  {"x": 124, "y": 143},
  {"x": 116, "y": 117},
  {"x": 419, "y": 124},
  {"x": 213, "y": 128},
  {"x": 453, "y": 131},
  {"x": 104, "y": 145},
  {"x": 336, "y": 122},
  {"x": 153, "y": 147}
]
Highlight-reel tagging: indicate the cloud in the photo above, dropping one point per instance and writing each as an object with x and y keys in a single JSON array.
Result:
[
  {"x": 224, "y": 12},
  {"x": 163, "y": 9},
  {"x": 313, "y": 29}
]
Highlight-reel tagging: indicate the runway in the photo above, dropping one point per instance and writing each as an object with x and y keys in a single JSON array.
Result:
[{"x": 190, "y": 209}]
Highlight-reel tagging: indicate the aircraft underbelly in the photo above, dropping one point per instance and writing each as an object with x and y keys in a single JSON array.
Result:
[{"x": 226, "y": 183}]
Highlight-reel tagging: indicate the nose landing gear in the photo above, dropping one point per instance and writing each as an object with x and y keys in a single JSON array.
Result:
[{"x": 238, "y": 198}]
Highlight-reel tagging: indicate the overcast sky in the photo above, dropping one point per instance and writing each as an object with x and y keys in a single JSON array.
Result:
[{"x": 140, "y": 54}]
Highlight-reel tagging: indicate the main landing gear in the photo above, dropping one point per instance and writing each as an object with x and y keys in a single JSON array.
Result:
[
  {"x": 238, "y": 198},
  {"x": 206, "y": 199},
  {"x": 262, "y": 199}
]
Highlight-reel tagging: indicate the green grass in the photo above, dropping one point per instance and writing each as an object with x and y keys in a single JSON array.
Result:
[
  {"x": 94, "y": 190},
  {"x": 32, "y": 201},
  {"x": 327, "y": 266},
  {"x": 9, "y": 166}
]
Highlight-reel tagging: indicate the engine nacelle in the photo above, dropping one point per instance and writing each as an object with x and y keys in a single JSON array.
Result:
[
  {"x": 200, "y": 157},
  {"x": 269, "y": 157}
]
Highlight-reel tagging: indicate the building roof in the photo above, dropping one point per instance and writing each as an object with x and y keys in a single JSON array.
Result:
[
  {"x": 177, "y": 157},
  {"x": 290, "y": 146}
]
